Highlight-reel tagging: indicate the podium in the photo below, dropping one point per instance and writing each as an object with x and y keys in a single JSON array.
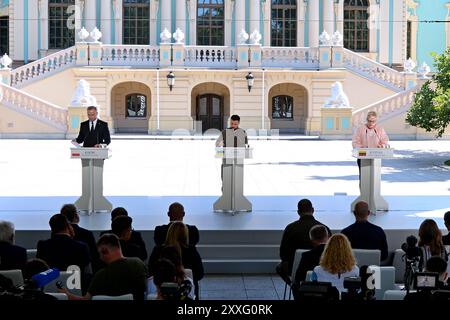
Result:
[
  {"x": 233, "y": 199},
  {"x": 92, "y": 160},
  {"x": 371, "y": 177}
]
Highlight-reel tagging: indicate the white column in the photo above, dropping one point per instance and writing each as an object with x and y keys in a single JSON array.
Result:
[
  {"x": 228, "y": 8},
  {"x": 43, "y": 5},
  {"x": 340, "y": 16},
  {"x": 166, "y": 14},
  {"x": 240, "y": 17},
  {"x": 181, "y": 15},
  {"x": 90, "y": 14},
  {"x": 254, "y": 16},
  {"x": 154, "y": 5},
  {"x": 117, "y": 20},
  {"x": 328, "y": 16},
  {"x": 106, "y": 21},
  {"x": 313, "y": 10},
  {"x": 301, "y": 8}
]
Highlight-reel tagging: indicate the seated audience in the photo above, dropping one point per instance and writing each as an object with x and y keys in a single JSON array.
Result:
[
  {"x": 310, "y": 259},
  {"x": 296, "y": 234},
  {"x": 120, "y": 276},
  {"x": 177, "y": 236},
  {"x": 11, "y": 256},
  {"x": 121, "y": 227},
  {"x": 175, "y": 213},
  {"x": 61, "y": 251},
  {"x": 136, "y": 236},
  {"x": 70, "y": 211},
  {"x": 365, "y": 235},
  {"x": 446, "y": 238},
  {"x": 337, "y": 262},
  {"x": 430, "y": 242},
  {"x": 164, "y": 272},
  {"x": 439, "y": 265}
]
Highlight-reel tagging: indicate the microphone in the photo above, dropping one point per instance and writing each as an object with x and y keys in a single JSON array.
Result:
[{"x": 44, "y": 278}]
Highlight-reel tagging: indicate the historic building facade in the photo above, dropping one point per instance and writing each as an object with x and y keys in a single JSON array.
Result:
[{"x": 162, "y": 65}]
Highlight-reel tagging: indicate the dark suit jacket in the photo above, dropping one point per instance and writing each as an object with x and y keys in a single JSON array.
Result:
[
  {"x": 365, "y": 235},
  {"x": 296, "y": 236},
  {"x": 61, "y": 251},
  {"x": 99, "y": 136},
  {"x": 12, "y": 256},
  {"x": 310, "y": 259},
  {"x": 446, "y": 239},
  {"x": 131, "y": 250},
  {"x": 136, "y": 238},
  {"x": 161, "y": 233},
  {"x": 87, "y": 237}
]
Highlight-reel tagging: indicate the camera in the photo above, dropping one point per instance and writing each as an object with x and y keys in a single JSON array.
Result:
[
  {"x": 412, "y": 259},
  {"x": 175, "y": 292},
  {"x": 314, "y": 291},
  {"x": 357, "y": 287}
]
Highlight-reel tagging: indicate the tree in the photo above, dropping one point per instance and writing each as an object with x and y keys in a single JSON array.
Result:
[{"x": 431, "y": 106}]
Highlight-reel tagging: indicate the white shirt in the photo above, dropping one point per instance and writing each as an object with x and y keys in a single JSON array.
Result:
[
  {"x": 337, "y": 280},
  {"x": 90, "y": 124}
]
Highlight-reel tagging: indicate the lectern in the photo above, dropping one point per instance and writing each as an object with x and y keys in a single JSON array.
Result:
[
  {"x": 92, "y": 160},
  {"x": 233, "y": 199},
  {"x": 371, "y": 177}
]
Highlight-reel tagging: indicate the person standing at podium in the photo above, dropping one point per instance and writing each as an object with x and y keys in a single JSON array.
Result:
[
  {"x": 232, "y": 137},
  {"x": 370, "y": 135},
  {"x": 93, "y": 132}
]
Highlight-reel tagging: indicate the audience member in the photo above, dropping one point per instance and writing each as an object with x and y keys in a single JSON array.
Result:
[
  {"x": 136, "y": 236},
  {"x": 33, "y": 267},
  {"x": 175, "y": 213},
  {"x": 365, "y": 235},
  {"x": 439, "y": 265},
  {"x": 296, "y": 234},
  {"x": 61, "y": 251},
  {"x": 164, "y": 272},
  {"x": 70, "y": 211},
  {"x": 121, "y": 227},
  {"x": 120, "y": 276},
  {"x": 11, "y": 256},
  {"x": 430, "y": 241},
  {"x": 446, "y": 238},
  {"x": 310, "y": 259},
  {"x": 337, "y": 262}
]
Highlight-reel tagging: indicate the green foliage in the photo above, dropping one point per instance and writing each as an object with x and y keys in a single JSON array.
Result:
[{"x": 431, "y": 107}]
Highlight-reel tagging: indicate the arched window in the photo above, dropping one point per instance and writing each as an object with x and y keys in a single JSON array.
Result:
[
  {"x": 136, "y": 106},
  {"x": 136, "y": 22},
  {"x": 60, "y": 36},
  {"x": 210, "y": 22},
  {"x": 283, "y": 107},
  {"x": 284, "y": 23},
  {"x": 356, "y": 32}
]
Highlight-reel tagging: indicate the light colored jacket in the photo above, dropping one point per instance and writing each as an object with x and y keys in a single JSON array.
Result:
[{"x": 370, "y": 138}]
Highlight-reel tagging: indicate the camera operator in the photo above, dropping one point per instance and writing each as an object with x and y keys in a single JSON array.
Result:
[{"x": 438, "y": 266}]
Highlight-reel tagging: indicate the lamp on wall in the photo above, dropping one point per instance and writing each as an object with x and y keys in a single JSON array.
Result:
[
  {"x": 171, "y": 80},
  {"x": 250, "y": 79}
]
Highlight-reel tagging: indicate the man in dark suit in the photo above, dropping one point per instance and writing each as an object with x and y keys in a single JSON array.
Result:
[
  {"x": 11, "y": 256},
  {"x": 175, "y": 213},
  {"x": 135, "y": 237},
  {"x": 61, "y": 251},
  {"x": 296, "y": 234},
  {"x": 446, "y": 238},
  {"x": 365, "y": 235},
  {"x": 121, "y": 227},
  {"x": 93, "y": 132},
  {"x": 70, "y": 211},
  {"x": 310, "y": 259}
]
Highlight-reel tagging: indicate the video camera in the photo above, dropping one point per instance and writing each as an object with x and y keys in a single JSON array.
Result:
[
  {"x": 315, "y": 291},
  {"x": 412, "y": 258},
  {"x": 175, "y": 292},
  {"x": 357, "y": 288}
]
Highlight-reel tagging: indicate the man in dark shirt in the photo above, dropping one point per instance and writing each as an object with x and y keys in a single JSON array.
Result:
[
  {"x": 446, "y": 238},
  {"x": 365, "y": 235},
  {"x": 296, "y": 234},
  {"x": 175, "y": 213},
  {"x": 70, "y": 211},
  {"x": 11, "y": 256},
  {"x": 120, "y": 276},
  {"x": 310, "y": 259},
  {"x": 61, "y": 251},
  {"x": 121, "y": 227},
  {"x": 135, "y": 237}
]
